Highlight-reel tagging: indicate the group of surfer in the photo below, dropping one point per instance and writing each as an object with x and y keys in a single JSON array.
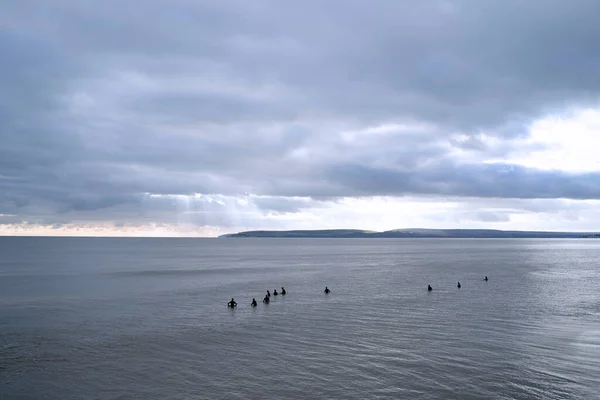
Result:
[
  {"x": 267, "y": 299},
  {"x": 429, "y": 288},
  {"x": 254, "y": 303}
]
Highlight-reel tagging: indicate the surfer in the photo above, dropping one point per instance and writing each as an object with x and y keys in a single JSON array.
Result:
[
  {"x": 485, "y": 279},
  {"x": 232, "y": 303},
  {"x": 266, "y": 300},
  {"x": 275, "y": 292},
  {"x": 282, "y": 291},
  {"x": 253, "y": 304},
  {"x": 429, "y": 288},
  {"x": 327, "y": 290},
  {"x": 268, "y": 294},
  {"x": 458, "y": 286}
]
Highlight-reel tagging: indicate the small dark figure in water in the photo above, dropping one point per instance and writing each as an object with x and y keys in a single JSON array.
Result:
[
  {"x": 282, "y": 291},
  {"x": 485, "y": 279},
  {"x": 266, "y": 300},
  {"x": 268, "y": 294},
  {"x": 232, "y": 303},
  {"x": 275, "y": 292},
  {"x": 458, "y": 286},
  {"x": 253, "y": 304},
  {"x": 327, "y": 290},
  {"x": 429, "y": 288}
]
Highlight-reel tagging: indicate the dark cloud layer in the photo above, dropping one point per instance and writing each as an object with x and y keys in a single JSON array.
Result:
[
  {"x": 101, "y": 102},
  {"x": 504, "y": 181}
]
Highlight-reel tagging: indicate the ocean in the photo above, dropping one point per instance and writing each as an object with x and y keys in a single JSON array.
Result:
[{"x": 112, "y": 318}]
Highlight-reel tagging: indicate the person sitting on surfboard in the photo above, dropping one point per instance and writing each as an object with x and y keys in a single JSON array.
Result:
[
  {"x": 253, "y": 304},
  {"x": 282, "y": 291},
  {"x": 266, "y": 300},
  {"x": 429, "y": 288},
  {"x": 458, "y": 286},
  {"x": 327, "y": 290},
  {"x": 485, "y": 279},
  {"x": 268, "y": 294},
  {"x": 275, "y": 292},
  {"x": 232, "y": 303}
]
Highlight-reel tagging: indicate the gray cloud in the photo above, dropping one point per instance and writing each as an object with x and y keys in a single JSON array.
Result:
[
  {"x": 102, "y": 102},
  {"x": 491, "y": 180}
]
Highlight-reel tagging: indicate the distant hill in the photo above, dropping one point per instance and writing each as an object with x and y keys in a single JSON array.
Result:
[
  {"x": 592, "y": 235},
  {"x": 410, "y": 233},
  {"x": 327, "y": 233}
]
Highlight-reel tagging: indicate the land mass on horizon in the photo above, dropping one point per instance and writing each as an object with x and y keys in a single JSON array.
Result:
[{"x": 411, "y": 233}]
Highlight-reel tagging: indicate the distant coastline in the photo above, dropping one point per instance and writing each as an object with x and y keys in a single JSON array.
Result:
[{"x": 412, "y": 233}]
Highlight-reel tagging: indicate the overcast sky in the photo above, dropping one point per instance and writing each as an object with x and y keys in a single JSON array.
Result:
[{"x": 191, "y": 117}]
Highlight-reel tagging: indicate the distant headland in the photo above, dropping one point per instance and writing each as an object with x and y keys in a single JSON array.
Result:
[{"x": 412, "y": 233}]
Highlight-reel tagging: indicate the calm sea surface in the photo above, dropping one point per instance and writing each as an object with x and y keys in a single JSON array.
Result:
[{"x": 147, "y": 319}]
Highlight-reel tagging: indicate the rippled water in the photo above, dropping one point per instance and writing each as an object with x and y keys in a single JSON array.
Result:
[{"x": 147, "y": 318}]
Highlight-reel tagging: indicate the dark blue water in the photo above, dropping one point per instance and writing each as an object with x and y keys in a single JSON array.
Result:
[{"x": 147, "y": 319}]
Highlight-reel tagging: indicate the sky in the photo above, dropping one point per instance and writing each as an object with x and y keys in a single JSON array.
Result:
[{"x": 202, "y": 117}]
